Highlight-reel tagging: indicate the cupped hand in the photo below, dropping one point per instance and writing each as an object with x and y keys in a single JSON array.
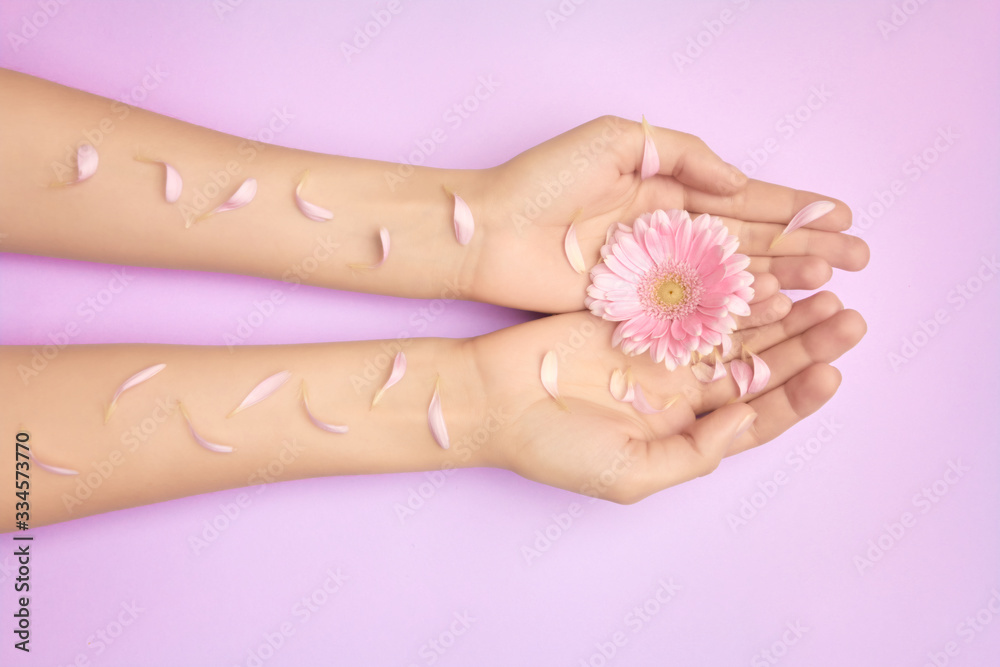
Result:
[
  {"x": 591, "y": 176},
  {"x": 601, "y": 447}
]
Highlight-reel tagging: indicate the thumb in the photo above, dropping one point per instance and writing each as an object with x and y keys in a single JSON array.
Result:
[
  {"x": 696, "y": 452},
  {"x": 689, "y": 159}
]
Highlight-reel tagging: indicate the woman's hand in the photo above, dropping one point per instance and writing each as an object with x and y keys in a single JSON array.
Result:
[
  {"x": 590, "y": 176},
  {"x": 605, "y": 448}
]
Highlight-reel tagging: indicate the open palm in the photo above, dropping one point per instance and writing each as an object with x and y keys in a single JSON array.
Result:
[{"x": 590, "y": 176}]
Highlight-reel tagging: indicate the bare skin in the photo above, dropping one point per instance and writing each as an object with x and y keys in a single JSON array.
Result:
[{"x": 495, "y": 408}]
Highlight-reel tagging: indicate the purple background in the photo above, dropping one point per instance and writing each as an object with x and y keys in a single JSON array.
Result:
[{"x": 886, "y": 95}]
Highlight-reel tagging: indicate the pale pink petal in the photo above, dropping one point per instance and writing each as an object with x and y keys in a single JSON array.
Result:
[
  {"x": 243, "y": 196},
  {"x": 398, "y": 369},
  {"x": 435, "y": 418},
  {"x": 464, "y": 224},
  {"x": 550, "y": 376},
  {"x": 641, "y": 403},
  {"x": 622, "y": 388},
  {"x": 573, "y": 252},
  {"x": 310, "y": 210},
  {"x": 210, "y": 446},
  {"x": 742, "y": 374},
  {"x": 650, "y": 158},
  {"x": 703, "y": 372},
  {"x": 720, "y": 368},
  {"x": 86, "y": 162},
  {"x": 810, "y": 213},
  {"x": 332, "y": 428},
  {"x": 174, "y": 184},
  {"x": 266, "y": 387},
  {"x": 53, "y": 469},
  {"x": 139, "y": 377},
  {"x": 761, "y": 374}
]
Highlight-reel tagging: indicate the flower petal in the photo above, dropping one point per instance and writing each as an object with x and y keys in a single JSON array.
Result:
[
  {"x": 703, "y": 372},
  {"x": 53, "y": 469},
  {"x": 266, "y": 387},
  {"x": 650, "y": 158},
  {"x": 174, "y": 184},
  {"x": 398, "y": 369},
  {"x": 311, "y": 211},
  {"x": 435, "y": 417},
  {"x": 742, "y": 374},
  {"x": 808, "y": 214},
  {"x": 332, "y": 428},
  {"x": 210, "y": 446},
  {"x": 573, "y": 252},
  {"x": 622, "y": 388},
  {"x": 720, "y": 368},
  {"x": 641, "y": 403},
  {"x": 243, "y": 196},
  {"x": 761, "y": 374},
  {"x": 464, "y": 224},
  {"x": 141, "y": 376},
  {"x": 550, "y": 376}
]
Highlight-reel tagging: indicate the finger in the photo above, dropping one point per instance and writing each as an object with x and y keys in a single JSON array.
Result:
[
  {"x": 687, "y": 159},
  {"x": 694, "y": 453},
  {"x": 824, "y": 342},
  {"x": 764, "y": 287},
  {"x": 766, "y": 202},
  {"x": 841, "y": 251},
  {"x": 783, "y": 407},
  {"x": 764, "y": 312},
  {"x": 794, "y": 272},
  {"x": 802, "y": 316}
]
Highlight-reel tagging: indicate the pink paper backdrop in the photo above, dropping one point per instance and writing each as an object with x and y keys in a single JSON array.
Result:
[{"x": 879, "y": 546}]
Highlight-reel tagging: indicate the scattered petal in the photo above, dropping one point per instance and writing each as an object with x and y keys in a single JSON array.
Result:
[
  {"x": 761, "y": 374},
  {"x": 311, "y": 211},
  {"x": 174, "y": 184},
  {"x": 641, "y": 403},
  {"x": 243, "y": 196},
  {"x": 435, "y": 417},
  {"x": 332, "y": 428},
  {"x": 621, "y": 388},
  {"x": 266, "y": 387},
  {"x": 464, "y": 224},
  {"x": 141, "y": 376},
  {"x": 720, "y": 368},
  {"x": 703, "y": 372},
  {"x": 810, "y": 213},
  {"x": 573, "y": 252},
  {"x": 550, "y": 376},
  {"x": 650, "y": 158},
  {"x": 210, "y": 446},
  {"x": 53, "y": 469},
  {"x": 383, "y": 235},
  {"x": 742, "y": 374},
  {"x": 398, "y": 369}
]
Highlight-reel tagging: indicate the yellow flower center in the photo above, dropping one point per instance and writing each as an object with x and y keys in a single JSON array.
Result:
[{"x": 670, "y": 292}]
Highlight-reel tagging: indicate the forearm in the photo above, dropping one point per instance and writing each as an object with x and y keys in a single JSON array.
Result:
[
  {"x": 120, "y": 214},
  {"x": 146, "y": 453}
]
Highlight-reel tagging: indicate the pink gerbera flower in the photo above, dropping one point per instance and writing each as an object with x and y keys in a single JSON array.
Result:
[{"x": 674, "y": 284}]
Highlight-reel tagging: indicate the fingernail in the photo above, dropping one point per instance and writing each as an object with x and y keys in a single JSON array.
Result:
[{"x": 745, "y": 424}]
